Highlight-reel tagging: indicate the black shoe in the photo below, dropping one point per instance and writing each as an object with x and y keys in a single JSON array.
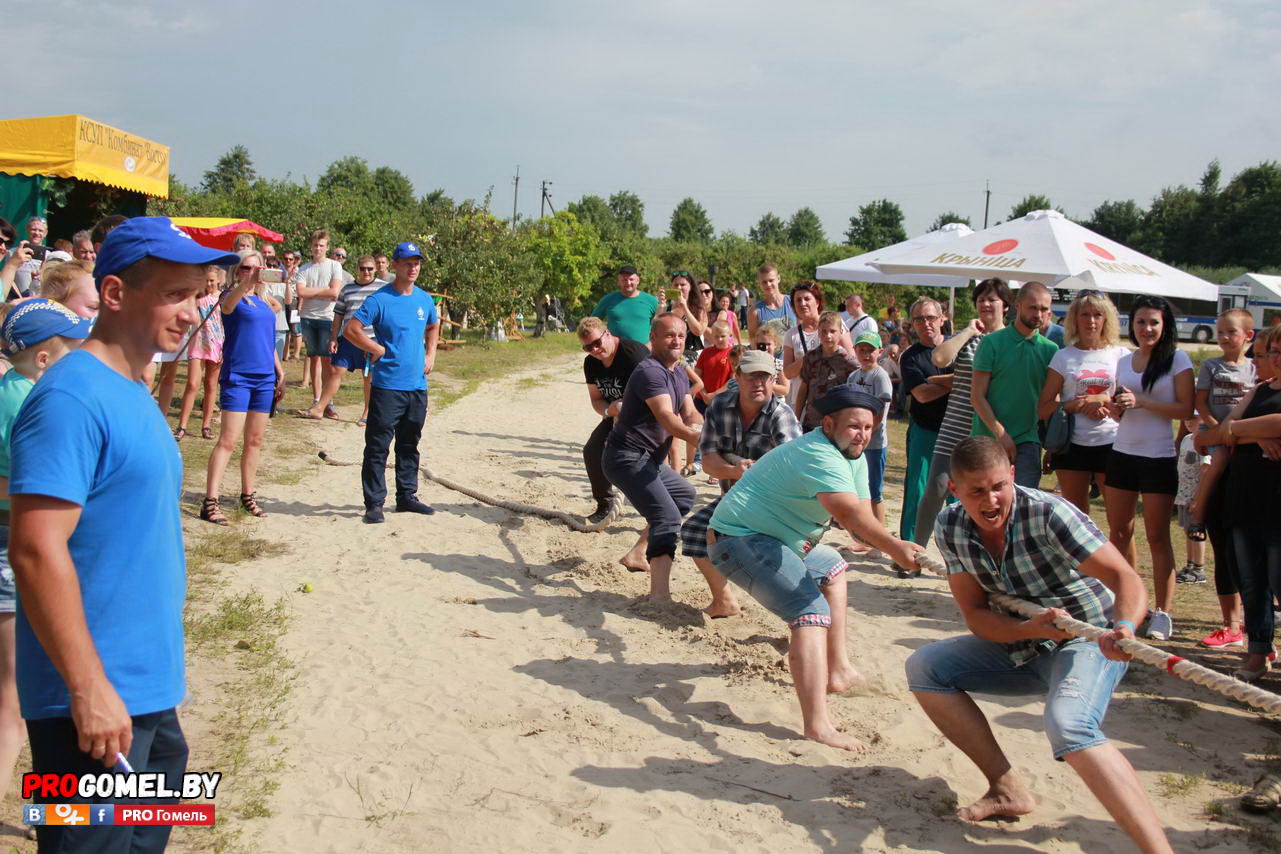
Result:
[
  {"x": 373, "y": 515},
  {"x": 604, "y": 510},
  {"x": 903, "y": 572},
  {"x": 411, "y": 504}
]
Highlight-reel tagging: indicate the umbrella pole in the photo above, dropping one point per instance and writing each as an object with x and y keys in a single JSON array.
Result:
[{"x": 951, "y": 308}]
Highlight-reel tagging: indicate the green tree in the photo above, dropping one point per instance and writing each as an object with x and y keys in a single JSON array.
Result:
[
  {"x": 944, "y": 218},
  {"x": 877, "y": 224},
  {"x": 768, "y": 231},
  {"x": 1167, "y": 230},
  {"x": 690, "y": 222},
  {"x": 1250, "y": 222},
  {"x": 1032, "y": 202},
  {"x": 629, "y": 213},
  {"x": 568, "y": 255},
  {"x": 349, "y": 173},
  {"x": 1119, "y": 221},
  {"x": 234, "y": 167},
  {"x": 393, "y": 187},
  {"x": 479, "y": 263},
  {"x": 805, "y": 229},
  {"x": 596, "y": 211}
]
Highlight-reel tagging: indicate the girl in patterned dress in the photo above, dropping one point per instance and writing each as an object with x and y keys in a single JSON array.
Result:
[{"x": 206, "y": 356}]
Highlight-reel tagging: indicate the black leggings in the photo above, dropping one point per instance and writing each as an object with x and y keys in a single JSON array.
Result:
[
  {"x": 602, "y": 489},
  {"x": 1225, "y": 559}
]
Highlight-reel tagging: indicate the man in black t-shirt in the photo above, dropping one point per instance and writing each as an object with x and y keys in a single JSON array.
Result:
[
  {"x": 609, "y": 362},
  {"x": 925, "y": 388}
]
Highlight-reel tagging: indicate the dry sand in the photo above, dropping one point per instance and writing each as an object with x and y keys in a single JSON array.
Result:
[{"x": 477, "y": 681}]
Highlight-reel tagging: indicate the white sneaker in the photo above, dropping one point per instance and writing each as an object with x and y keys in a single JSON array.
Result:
[{"x": 1160, "y": 625}]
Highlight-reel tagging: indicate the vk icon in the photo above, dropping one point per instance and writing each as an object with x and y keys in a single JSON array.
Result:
[
  {"x": 33, "y": 813},
  {"x": 102, "y": 814}
]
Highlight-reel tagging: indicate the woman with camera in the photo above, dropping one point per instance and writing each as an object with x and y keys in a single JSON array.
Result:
[{"x": 252, "y": 379}]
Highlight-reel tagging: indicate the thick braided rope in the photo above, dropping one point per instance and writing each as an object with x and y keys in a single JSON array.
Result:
[
  {"x": 1172, "y": 664},
  {"x": 574, "y": 522}
]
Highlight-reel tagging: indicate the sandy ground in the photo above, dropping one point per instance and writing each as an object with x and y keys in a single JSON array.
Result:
[{"x": 477, "y": 681}]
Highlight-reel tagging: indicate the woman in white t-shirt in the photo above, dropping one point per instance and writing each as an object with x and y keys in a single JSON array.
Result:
[
  {"x": 807, "y": 304},
  {"x": 1154, "y": 389},
  {"x": 1083, "y": 376}
]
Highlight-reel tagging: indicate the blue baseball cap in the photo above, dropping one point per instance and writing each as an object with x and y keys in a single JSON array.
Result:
[
  {"x": 34, "y": 321},
  {"x": 408, "y": 249},
  {"x": 152, "y": 237}
]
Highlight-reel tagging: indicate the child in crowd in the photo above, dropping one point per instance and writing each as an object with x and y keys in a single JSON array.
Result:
[
  {"x": 1221, "y": 384},
  {"x": 1192, "y": 463},
  {"x": 766, "y": 340},
  {"x": 36, "y": 333},
  {"x": 889, "y": 361},
  {"x": 872, "y": 378},
  {"x": 823, "y": 369},
  {"x": 713, "y": 366},
  {"x": 205, "y": 352}
]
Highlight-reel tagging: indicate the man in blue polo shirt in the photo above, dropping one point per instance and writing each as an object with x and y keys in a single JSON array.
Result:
[
  {"x": 406, "y": 325},
  {"x": 96, "y": 542}
]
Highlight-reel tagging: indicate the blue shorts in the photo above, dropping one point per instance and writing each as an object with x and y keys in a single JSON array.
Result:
[
  {"x": 8, "y": 590},
  {"x": 875, "y": 472},
  {"x": 316, "y": 336},
  {"x": 349, "y": 356},
  {"x": 781, "y": 580},
  {"x": 247, "y": 395},
  {"x": 1076, "y": 678}
]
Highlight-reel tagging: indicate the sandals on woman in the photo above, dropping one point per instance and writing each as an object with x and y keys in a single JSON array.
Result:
[
  {"x": 206, "y": 432},
  {"x": 211, "y": 512},
  {"x": 249, "y": 502},
  {"x": 1196, "y": 532},
  {"x": 179, "y": 433}
]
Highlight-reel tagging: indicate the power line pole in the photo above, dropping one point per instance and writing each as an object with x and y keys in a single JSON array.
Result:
[
  {"x": 987, "y": 201},
  {"x": 515, "y": 195},
  {"x": 546, "y": 200}
]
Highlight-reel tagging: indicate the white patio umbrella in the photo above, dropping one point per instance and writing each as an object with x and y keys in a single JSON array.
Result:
[
  {"x": 859, "y": 268},
  {"x": 1046, "y": 246}
]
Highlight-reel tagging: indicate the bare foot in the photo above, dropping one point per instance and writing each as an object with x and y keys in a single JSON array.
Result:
[
  {"x": 999, "y": 802},
  {"x": 634, "y": 564},
  {"x": 840, "y": 681},
  {"x": 833, "y": 737},
  {"x": 716, "y": 610}
]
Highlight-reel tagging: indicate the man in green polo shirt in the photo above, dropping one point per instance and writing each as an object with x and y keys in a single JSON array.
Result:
[
  {"x": 1009, "y": 370},
  {"x": 628, "y": 311}
]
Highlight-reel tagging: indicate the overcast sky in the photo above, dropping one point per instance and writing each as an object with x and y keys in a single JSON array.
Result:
[{"x": 746, "y": 106}]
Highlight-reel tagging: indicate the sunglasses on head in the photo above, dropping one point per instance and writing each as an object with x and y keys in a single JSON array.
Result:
[
  {"x": 676, "y": 274},
  {"x": 1090, "y": 292}
]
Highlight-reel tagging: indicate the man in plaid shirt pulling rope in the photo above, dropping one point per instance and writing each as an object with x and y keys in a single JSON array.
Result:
[{"x": 1003, "y": 538}]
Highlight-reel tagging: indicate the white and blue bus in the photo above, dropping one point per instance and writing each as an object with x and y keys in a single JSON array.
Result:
[{"x": 1195, "y": 318}]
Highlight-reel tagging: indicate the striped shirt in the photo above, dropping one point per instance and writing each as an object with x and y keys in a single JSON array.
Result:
[
  {"x": 1046, "y": 539},
  {"x": 351, "y": 298},
  {"x": 960, "y": 411}
]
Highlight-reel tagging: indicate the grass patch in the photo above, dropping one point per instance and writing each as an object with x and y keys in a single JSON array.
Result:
[{"x": 1178, "y": 785}]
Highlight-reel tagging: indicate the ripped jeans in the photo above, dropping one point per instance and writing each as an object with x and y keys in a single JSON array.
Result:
[{"x": 1076, "y": 678}]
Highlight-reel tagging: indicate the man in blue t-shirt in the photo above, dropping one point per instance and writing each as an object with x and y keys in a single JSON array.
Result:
[
  {"x": 96, "y": 542},
  {"x": 406, "y": 325}
]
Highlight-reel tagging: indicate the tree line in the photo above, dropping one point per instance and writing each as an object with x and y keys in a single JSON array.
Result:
[{"x": 493, "y": 267}]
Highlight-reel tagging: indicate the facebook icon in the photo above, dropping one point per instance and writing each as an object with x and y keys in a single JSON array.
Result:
[
  {"x": 33, "y": 813},
  {"x": 102, "y": 814}
]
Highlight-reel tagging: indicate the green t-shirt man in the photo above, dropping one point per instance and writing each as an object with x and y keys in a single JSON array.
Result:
[
  {"x": 1018, "y": 365},
  {"x": 778, "y": 495},
  {"x": 628, "y": 317}
]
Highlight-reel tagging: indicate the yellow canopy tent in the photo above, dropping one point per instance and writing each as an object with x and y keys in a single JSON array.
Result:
[{"x": 78, "y": 147}]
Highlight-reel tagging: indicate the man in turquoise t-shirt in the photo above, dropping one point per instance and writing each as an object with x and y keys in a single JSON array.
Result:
[
  {"x": 628, "y": 311},
  {"x": 1009, "y": 370},
  {"x": 764, "y": 534}
]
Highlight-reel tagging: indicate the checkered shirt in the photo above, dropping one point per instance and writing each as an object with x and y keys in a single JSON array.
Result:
[
  {"x": 1046, "y": 539},
  {"x": 723, "y": 429}
]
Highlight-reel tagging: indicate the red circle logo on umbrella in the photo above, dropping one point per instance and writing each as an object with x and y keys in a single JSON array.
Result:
[
  {"x": 1101, "y": 252},
  {"x": 1000, "y": 247}
]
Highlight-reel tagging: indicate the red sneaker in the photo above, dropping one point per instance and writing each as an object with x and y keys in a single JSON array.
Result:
[{"x": 1223, "y": 637}]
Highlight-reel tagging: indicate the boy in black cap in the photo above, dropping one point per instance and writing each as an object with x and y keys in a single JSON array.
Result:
[
  {"x": 764, "y": 537},
  {"x": 96, "y": 542}
]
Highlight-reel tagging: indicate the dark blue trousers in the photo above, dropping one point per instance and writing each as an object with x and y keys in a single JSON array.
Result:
[
  {"x": 158, "y": 745},
  {"x": 397, "y": 415}
]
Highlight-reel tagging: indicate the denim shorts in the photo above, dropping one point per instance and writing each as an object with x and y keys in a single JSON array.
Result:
[
  {"x": 875, "y": 472},
  {"x": 349, "y": 356},
  {"x": 785, "y": 583},
  {"x": 8, "y": 591},
  {"x": 316, "y": 336},
  {"x": 1077, "y": 679}
]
